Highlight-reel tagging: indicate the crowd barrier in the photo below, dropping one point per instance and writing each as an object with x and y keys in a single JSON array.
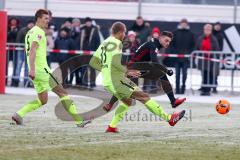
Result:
[
  {"x": 216, "y": 69},
  {"x": 207, "y": 69}
]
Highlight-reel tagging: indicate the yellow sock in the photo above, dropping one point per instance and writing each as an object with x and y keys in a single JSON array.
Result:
[
  {"x": 71, "y": 109},
  {"x": 31, "y": 106},
  {"x": 155, "y": 108},
  {"x": 119, "y": 113}
]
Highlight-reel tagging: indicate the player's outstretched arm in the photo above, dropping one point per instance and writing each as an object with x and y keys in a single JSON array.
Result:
[
  {"x": 95, "y": 63},
  {"x": 133, "y": 73},
  {"x": 32, "y": 57},
  {"x": 164, "y": 69}
]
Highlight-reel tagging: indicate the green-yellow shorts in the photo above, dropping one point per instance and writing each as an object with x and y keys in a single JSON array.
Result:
[
  {"x": 44, "y": 81},
  {"x": 122, "y": 89}
]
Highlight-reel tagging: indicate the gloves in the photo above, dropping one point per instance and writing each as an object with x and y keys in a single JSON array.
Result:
[{"x": 170, "y": 72}]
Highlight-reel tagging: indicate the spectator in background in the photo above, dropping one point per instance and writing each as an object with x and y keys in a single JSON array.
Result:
[
  {"x": 183, "y": 43},
  {"x": 207, "y": 42},
  {"x": 151, "y": 85},
  {"x": 142, "y": 29},
  {"x": 99, "y": 30},
  {"x": 51, "y": 35},
  {"x": 67, "y": 23},
  {"x": 130, "y": 45},
  {"x": 50, "y": 44},
  {"x": 155, "y": 32},
  {"x": 52, "y": 26},
  {"x": 217, "y": 32},
  {"x": 75, "y": 30},
  {"x": 21, "y": 56},
  {"x": 89, "y": 40},
  {"x": 13, "y": 28},
  {"x": 65, "y": 42}
]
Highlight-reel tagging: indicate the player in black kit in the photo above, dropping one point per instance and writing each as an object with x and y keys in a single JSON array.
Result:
[{"x": 145, "y": 56}]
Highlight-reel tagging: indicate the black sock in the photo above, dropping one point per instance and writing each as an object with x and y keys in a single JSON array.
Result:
[
  {"x": 167, "y": 87},
  {"x": 171, "y": 97}
]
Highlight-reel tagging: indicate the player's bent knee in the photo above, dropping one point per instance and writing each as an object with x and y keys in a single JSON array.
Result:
[
  {"x": 44, "y": 101},
  {"x": 64, "y": 92},
  {"x": 128, "y": 102},
  {"x": 144, "y": 97},
  {"x": 43, "y": 97}
]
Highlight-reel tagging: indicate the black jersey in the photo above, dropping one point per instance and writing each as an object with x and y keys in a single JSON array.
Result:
[{"x": 147, "y": 52}]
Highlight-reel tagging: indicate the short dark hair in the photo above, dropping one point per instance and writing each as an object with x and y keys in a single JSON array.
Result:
[
  {"x": 69, "y": 19},
  {"x": 67, "y": 30},
  {"x": 217, "y": 23},
  {"x": 49, "y": 13},
  {"x": 30, "y": 21},
  {"x": 87, "y": 19},
  {"x": 167, "y": 33},
  {"x": 117, "y": 27},
  {"x": 40, "y": 13}
]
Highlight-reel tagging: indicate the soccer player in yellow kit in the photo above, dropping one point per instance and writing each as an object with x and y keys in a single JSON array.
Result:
[
  {"x": 107, "y": 59},
  {"x": 40, "y": 73}
]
